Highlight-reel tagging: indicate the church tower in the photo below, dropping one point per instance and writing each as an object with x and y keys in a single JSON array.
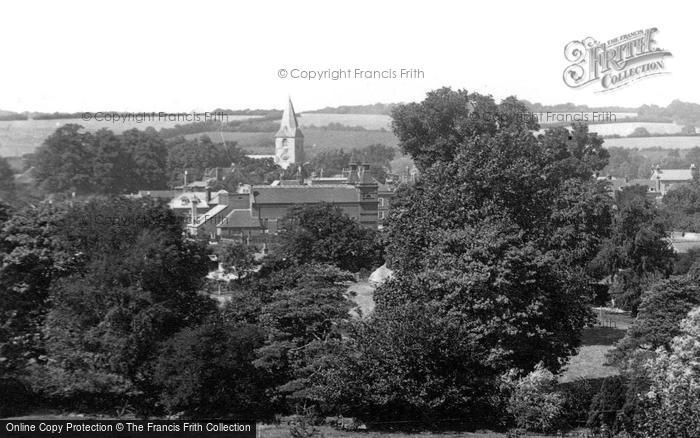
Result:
[{"x": 289, "y": 141}]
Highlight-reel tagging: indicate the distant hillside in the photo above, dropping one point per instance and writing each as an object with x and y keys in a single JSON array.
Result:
[
  {"x": 377, "y": 108},
  {"x": 11, "y": 115},
  {"x": 679, "y": 112},
  {"x": 572, "y": 107}
]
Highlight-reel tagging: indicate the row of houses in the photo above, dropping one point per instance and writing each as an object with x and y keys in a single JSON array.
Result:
[{"x": 254, "y": 212}]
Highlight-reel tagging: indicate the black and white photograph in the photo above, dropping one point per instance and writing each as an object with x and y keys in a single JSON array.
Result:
[{"x": 349, "y": 219}]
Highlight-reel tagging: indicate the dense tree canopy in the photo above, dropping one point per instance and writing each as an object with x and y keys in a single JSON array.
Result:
[
  {"x": 31, "y": 257},
  {"x": 323, "y": 233},
  {"x": 208, "y": 372},
  {"x": 7, "y": 180},
  {"x": 490, "y": 243},
  {"x": 131, "y": 283},
  {"x": 662, "y": 308},
  {"x": 71, "y": 160}
]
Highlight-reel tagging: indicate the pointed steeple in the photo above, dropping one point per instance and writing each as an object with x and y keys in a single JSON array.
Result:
[{"x": 289, "y": 127}]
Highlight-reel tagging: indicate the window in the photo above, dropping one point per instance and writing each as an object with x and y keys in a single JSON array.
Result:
[
  {"x": 381, "y": 202},
  {"x": 381, "y": 215}
]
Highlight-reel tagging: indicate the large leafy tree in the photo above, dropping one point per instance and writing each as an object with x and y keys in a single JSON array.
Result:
[
  {"x": 662, "y": 308},
  {"x": 148, "y": 154},
  {"x": 111, "y": 164},
  {"x": 301, "y": 319},
  {"x": 406, "y": 365},
  {"x": 208, "y": 372},
  {"x": 135, "y": 285},
  {"x": 64, "y": 161},
  {"x": 195, "y": 156},
  {"x": 323, "y": 233},
  {"x": 491, "y": 240},
  {"x": 636, "y": 247},
  {"x": 31, "y": 257},
  {"x": 71, "y": 160}
]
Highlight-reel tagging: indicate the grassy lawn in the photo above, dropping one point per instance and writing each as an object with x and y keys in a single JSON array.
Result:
[{"x": 590, "y": 361}]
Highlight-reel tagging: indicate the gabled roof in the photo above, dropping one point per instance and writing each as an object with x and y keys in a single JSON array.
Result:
[
  {"x": 185, "y": 200},
  {"x": 299, "y": 194},
  {"x": 239, "y": 218},
  {"x": 289, "y": 127}
]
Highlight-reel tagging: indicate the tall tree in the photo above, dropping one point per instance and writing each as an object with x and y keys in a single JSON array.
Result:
[
  {"x": 489, "y": 243},
  {"x": 31, "y": 257},
  {"x": 135, "y": 285},
  {"x": 300, "y": 320},
  {"x": 148, "y": 156},
  {"x": 7, "y": 180},
  {"x": 111, "y": 165},
  {"x": 64, "y": 161},
  {"x": 636, "y": 248},
  {"x": 323, "y": 233}
]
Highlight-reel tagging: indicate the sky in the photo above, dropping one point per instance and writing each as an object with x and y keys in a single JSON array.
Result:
[{"x": 200, "y": 55}]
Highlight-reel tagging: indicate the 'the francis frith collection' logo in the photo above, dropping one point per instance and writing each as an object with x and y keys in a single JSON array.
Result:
[{"x": 614, "y": 63}]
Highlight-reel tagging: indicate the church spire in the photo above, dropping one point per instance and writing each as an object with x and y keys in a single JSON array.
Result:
[
  {"x": 289, "y": 141},
  {"x": 289, "y": 127}
]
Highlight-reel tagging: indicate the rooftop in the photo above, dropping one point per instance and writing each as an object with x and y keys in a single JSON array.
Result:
[
  {"x": 239, "y": 218},
  {"x": 185, "y": 200},
  {"x": 672, "y": 174},
  {"x": 301, "y": 194}
]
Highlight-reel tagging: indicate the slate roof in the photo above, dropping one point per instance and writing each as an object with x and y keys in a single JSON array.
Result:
[
  {"x": 673, "y": 174},
  {"x": 239, "y": 218},
  {"x": 299, "y": 194}
]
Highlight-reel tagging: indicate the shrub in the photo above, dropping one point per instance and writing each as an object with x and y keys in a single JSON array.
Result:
[
  {"x": 606, "y": 404},
  {"x": 578, "y": 396},
  {"x": 208, "y": 371},
  {"x": 16, "y": 397},
  {"x": 534, "y": 402},
  {"x": 671, "y": 408}
]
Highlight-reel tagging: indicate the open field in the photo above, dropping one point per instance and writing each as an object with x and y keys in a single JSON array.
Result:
[
  {"x": 24, "y": 136},
  {"x": 652, "y": 142},
  {"x": 367, "y": 121},
  {"x": 626, "y": 128}
]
